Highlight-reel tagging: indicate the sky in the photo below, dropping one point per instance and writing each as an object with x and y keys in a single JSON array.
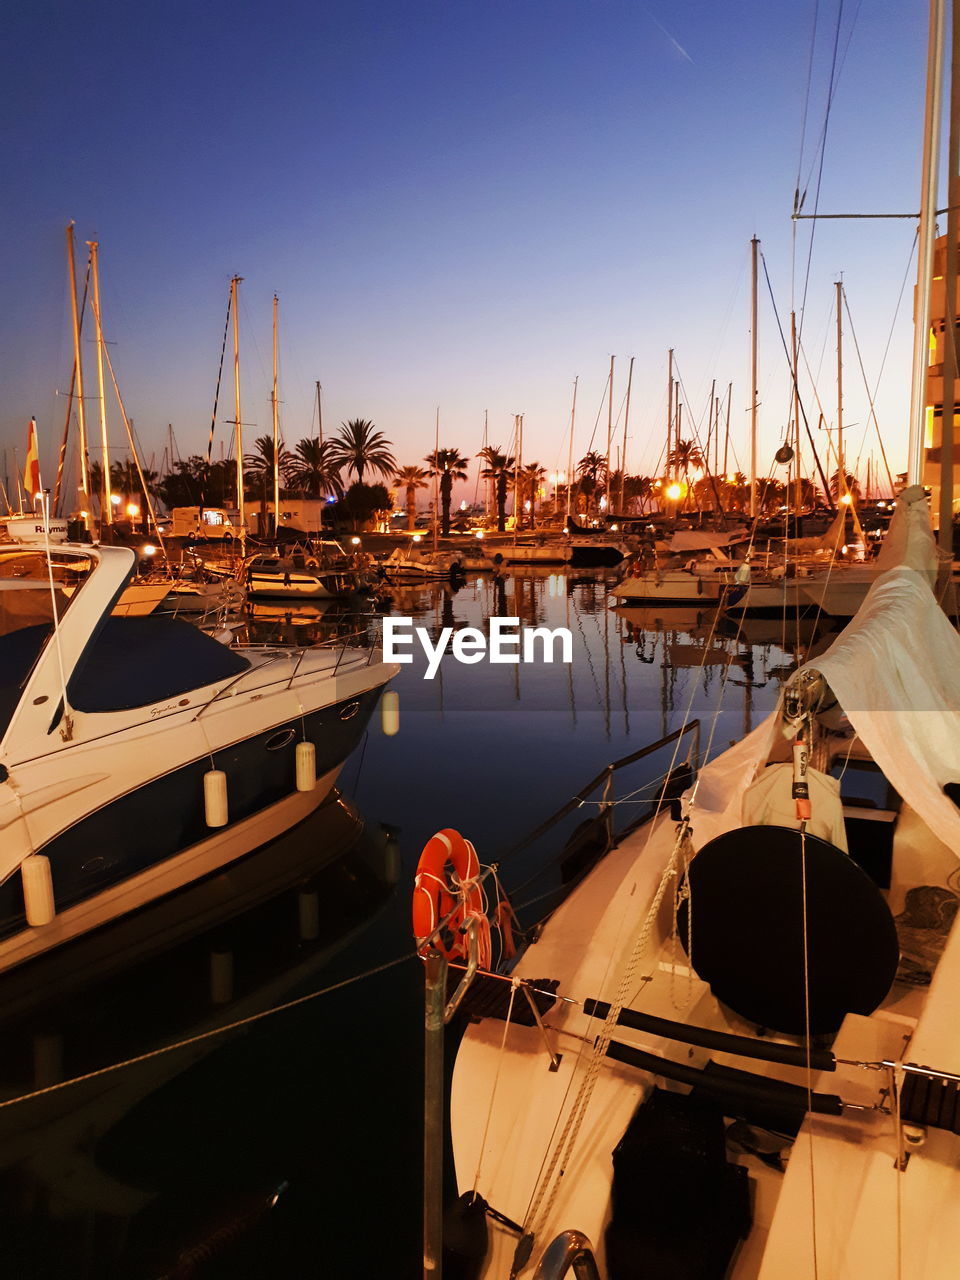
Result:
[{"x": 463, "y": 205}]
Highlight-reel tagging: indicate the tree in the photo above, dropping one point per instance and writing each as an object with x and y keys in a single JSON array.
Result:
[
  {"x": 449, "y": 466},
  {"x": 498, "y": 470},
  {"x": 359, "y": 447},
  {"x": 641, "y": 488},
  {"x": 258, "y": 470},
  {"x": 531, "y": 478},
  {"x": 685, "y": 455},
  {"x": 312, "y": 470},
  {"x": 411, "y": 478},
  {"x": 851, "y": 485},
  {"x": 589, "y": 469},
  {"x": 361, "y": 502}
]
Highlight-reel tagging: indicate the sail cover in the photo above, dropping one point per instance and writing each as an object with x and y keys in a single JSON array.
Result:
[{"x": 895, "y": 671}]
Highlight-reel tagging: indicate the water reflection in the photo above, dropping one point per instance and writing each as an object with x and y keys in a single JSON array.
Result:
[
  {"x": 120, "y": 1174},
  {"x": 94, "y": 1168}
]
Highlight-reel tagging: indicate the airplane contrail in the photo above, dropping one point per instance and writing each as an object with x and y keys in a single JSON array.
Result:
[{"x": 676, "y": 43}]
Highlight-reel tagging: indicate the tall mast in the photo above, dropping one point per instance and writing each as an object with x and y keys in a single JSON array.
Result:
[
  {"x": 841, "y": 470},
  {"x": 726, "y": 433},
  {"x": 489, "y": 485},
  {"x": 276, "y": 429},
  {"x": 626, "y": 420},
  {"x": 436, "y": 481},
  {"x": 753, "y": 377},
  {"x": 928, "y": 212},
  {"x": 319, "y": 420},
  {"x": 606, "y": 481},
  {"x": 238, "y": 421},
  {"x": 796, "y": 417},
  {"x": 669, "y": 474},
  {"x": 947, "y": 451},
  {"x": 78, "y": 374},
  {"x": 573, "y": 423},
  {"x": 106, "y": 506}
]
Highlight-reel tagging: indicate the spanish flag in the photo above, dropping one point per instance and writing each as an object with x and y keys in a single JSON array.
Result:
[{"x": 31, "y": 473}]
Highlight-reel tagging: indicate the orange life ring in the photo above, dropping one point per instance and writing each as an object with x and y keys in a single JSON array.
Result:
[{"x": 446, "y": 876}]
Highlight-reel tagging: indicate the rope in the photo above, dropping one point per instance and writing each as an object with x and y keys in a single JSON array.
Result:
[
  {"x": 216, "y": 394},
  {"x": 209, "y": 1035},
  {"x": 514, "y": 984},
  {"x": 548, "y": 1185},
  {"x": 806, "y": 1029}
]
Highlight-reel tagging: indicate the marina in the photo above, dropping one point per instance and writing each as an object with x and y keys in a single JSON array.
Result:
[{"x": 480, "y": 643}]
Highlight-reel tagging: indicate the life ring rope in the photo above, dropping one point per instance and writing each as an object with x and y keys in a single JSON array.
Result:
[{"x": 447, "y": 887}]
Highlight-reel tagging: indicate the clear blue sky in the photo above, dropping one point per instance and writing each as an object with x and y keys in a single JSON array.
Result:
[{"x": 462, "y": 203}]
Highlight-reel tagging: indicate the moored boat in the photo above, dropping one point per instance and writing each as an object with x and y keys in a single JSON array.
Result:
[{"x": 139, "y": 753}]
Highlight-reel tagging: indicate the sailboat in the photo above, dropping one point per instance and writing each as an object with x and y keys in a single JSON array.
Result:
[{"x": 738, "y": 1054}]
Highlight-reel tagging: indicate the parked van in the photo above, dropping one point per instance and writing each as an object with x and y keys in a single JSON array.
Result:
[{"x": 205, "y": 524}]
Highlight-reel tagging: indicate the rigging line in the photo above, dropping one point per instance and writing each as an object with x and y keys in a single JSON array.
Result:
[
  {"x": 856, "y": 347},
  {"x": 803, "y": 137},
  {"x": 515, "y": 982},
  {"x": 216, "y": 394},
  {"x": 201, "y": 1036},
  {"x": 834, "y": 76},
  {"x": 793, "y": 375},
  {"x": 603, "y": 401}
]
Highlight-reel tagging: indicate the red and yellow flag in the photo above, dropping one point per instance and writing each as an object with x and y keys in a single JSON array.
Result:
[{"x": 31, "y": 473}]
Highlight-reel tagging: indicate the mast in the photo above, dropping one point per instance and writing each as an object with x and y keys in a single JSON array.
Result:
[
  {"x": 436, "y": 481},
  {"x": 669, "y": 474},
  {"x": 276, "y": 429},
  {"x": 238, "y": 423},
  {"x": 626, "y": 420},
  {"x": 754, "y": 243},
  {"x": 78, "y": 374},
  {"x": 796, "y": 421},
  {"x": 928, "y": 211},
  {"x": 947, "y": 452},
  {"x": 606, "y": 479},
  {"x": 106, "y": 507},
  {"x": 319, "y": 420},
  {"x": 841, "y": 470},
  {"x": 573, "y": 421}
]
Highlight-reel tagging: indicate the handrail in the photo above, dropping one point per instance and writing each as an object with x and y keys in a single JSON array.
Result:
[
  {"x": 570, "y": 1249},
  {"x": 604, "y": 777}
]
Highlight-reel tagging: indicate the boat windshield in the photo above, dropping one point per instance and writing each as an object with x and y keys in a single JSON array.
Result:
[{"x": 27, "y": 616}]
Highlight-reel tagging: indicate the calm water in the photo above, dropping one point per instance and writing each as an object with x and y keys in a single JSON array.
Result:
[{"x": 289, "y": 1146}]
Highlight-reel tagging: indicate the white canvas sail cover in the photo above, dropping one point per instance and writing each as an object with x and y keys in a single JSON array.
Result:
[{"x": 895, "y": 671}]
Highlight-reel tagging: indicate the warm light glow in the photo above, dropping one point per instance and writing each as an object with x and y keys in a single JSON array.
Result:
[
  {"x": 355, "y": 542},
  {"x": 526, "y": 505},
  {"x": 846, "y": 499},
  {"x": 614, "y": 528},
  {"x": 416, "y": 537},
  {"x": 148, "y": 549},
  {"x": 478, "y": 534},
  {"x": 115, "y": 499},
  {"x": 603, "y": 503},
  {"x": 132, "y": 510},
  {"x": 674, "y": 492},
  {"x": 463, "y": 505}
]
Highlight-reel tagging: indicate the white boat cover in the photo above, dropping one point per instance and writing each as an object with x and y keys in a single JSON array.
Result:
[
  {"x": 703, "y": 539},
  {"x": 895, "y": 670}
]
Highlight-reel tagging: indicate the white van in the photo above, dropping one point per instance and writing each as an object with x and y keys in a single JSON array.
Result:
[{"x": 205, "y": 524}]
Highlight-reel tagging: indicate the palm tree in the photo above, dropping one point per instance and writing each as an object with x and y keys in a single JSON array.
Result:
[
  {"x": 312, "y": 469},
  {"x": 851, "y": 485},
  {"x": 531, "y": 478},
  {"x": 683, "y": 457},
  {"x": 498, "y": 470},
  {"x": 258, "y": 470},
  {"x": 411, "y": 479},
  {"x": 359, "y": 447},
  {"x": 589, "y": 469},
  {"x": 449, "y": 466},
  {"x": 641, "y": 488}
]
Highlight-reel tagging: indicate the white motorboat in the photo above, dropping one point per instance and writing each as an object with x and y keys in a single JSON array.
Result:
[
  {"x": 138, "y": 753},
  {"x": 749, "y": 1063},
  {"x": 414, "y": 564},
  {"x": 296, "y": 575}
]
